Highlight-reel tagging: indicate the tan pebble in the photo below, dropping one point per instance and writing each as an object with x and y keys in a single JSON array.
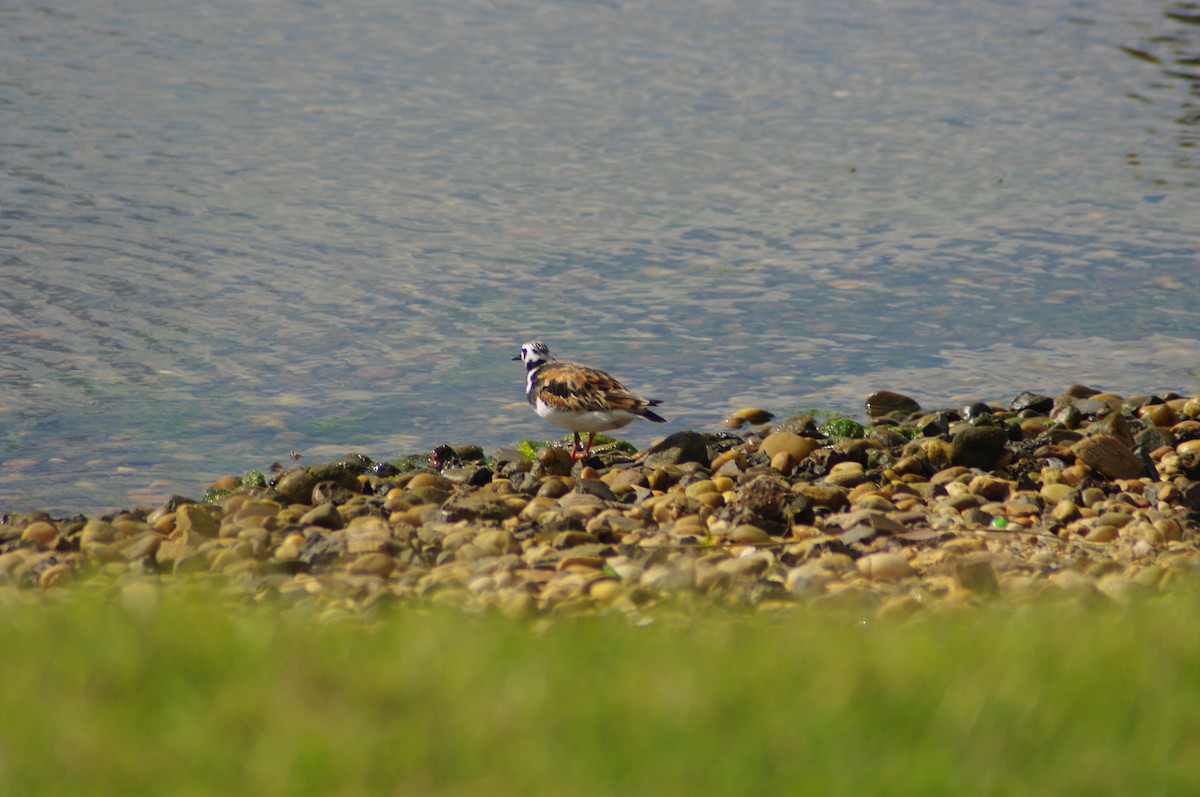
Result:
[
  {"x": 1072, "y": 583},
  {"x": 846, "y": 474},
  {"x": 990, "y": 487},
  {"x": 747, "y": 534},
  {"x": 496, "y": 542},
  {"x": 519, "y": 606},
  {"x": 1158, "y": 414},
  {"x": 1103, "y": 533},
  {"x": 196, "y": 519},
  {"x": 1188, "y": 447},
  {"x": 725, "y": 457},
  {"x": 538, "y": 507},
  {"x": 40, "y": 532},
  {"x": 1065, "y": 511},
  {"x": 1169, "y": 528},
  {"x": 1191, "y": 407},
  {"x": 898, "y": 606},
  {"x": 965, "y": 544},
  {"x": 606, "y": 590},
  {"x": 1117, "y": 520},
  {"x": 783, "y": 462},
  {"x": 226, "y": 482},
  {"x": 373, "y": 564},
  {"x": 787, "y": 442},
  {"x": 755, "y": 564},
  {"x": 140, "y": 598},
  {"x": 884, "y": 567},
  {"x": 581, "y": 563},
  {"x": 11, "y": 561},
  {"x": 55, "y": 576},
  {"x": 428, "y": 480},
  {"x": 750, "y": 415},
  {"x": 977, "y": 575},
  {"x": 1053, "y": 493},
  {"x": 830, "y": 496},
  {"x": 696, "y": 489}
]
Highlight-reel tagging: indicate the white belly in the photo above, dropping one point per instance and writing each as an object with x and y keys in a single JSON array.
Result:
[{"x": 596, "y": 421}]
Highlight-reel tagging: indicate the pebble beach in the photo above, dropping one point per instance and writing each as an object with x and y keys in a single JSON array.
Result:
[{"x": 1086, "y": 497}]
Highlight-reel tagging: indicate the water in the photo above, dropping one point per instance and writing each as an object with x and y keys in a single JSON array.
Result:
[{"x": 231, "y": 231}]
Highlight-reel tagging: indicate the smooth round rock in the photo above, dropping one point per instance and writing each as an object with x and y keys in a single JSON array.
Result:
[
  {"x": 747, "y": 534},
  {"x": 787, "y": 442},
  {"x": 883, "y": 402}
]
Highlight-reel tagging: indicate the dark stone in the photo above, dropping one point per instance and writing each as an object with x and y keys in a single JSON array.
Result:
[
  {"x": 476, "y": 505},
  {"x": 767, "y": 501},
  {"x": 325, "y": 515},
  {"x": 975, "y": 410},
  {"x": 595, "y": 487},
  {"x": 682, "y": 446},
  {"x": 800, "y": 423},
  {"x": 1154, "y": 437},
  {"x": 1034, "y": 402},
  {"x": 573, "y": 539},
  {"x": 938, "y": 423},
  {"x": 1089, "y": 407},
  {"x": 978, "y": 446},
  {"x": 385, "y": 470},
  {"x": 331, "y": 493},
  {"x": 1190, "y": 496},
  {"x": 1115, "y": 425},
  {"x": 297, "y": 484},
  {"x": 319, "y": 548},
  {"x": 884, "y": 402}
]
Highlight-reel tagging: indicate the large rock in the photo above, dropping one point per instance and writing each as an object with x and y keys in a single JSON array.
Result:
[
  {"x": 978, "y": 446},
  {"x": 1109, "y": 457}
]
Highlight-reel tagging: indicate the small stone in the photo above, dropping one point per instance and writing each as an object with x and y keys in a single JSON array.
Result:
[
  {"x": 55, "y": 576},
  {"x": 749, "y": 415},
  {"x": 747, "y": 534},
  {"x": 196, "y": 519},
  {"x": 373, "y": 564},
  {"x": 1102, "y": 533},
  {"x": 884, "y": 567},
  {"x": 786, "y": 442},
  {"x": 683, "y": 446},
  {"x": 40, "y": 532},
  {"x": 977, "y": 575}
]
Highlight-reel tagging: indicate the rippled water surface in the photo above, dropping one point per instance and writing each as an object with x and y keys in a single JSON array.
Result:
[{"x": 229, "y": 230}]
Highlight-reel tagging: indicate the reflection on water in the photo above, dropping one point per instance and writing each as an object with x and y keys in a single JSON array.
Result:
[{"x": 229, "y": 232}]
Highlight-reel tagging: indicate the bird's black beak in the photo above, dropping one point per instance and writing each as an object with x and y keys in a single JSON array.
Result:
[{"x": 517, "y": 357}]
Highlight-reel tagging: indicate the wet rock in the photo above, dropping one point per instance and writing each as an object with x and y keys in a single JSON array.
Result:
[
  {"x": 324, "y": 515},
  {"x": 885, "y": 402},
  {"x": 682, "y": 446},
  {"x": 1032, "y": 402},
  {"x": 788, "y": 443},
  {"x": 749, "y": 415},
  {"x": 1109, "y": 457},
  {"x": 978, "y": 446},
  {"x": 196, "y": 519}
]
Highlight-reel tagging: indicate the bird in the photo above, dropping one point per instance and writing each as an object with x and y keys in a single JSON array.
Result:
[{"x": 579, "y": 398}]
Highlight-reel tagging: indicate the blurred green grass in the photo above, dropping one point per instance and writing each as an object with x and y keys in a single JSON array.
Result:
[{"x": 189, "y": 698}]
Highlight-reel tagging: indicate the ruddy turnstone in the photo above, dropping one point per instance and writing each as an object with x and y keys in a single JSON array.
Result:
[{"x": 578, "y": 397}]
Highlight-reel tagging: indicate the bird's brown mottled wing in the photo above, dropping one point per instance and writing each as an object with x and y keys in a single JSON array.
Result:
[{"x": 578, "y": 388}]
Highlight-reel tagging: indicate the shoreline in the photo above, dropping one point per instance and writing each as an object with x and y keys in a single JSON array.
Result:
[{"x": 1087, "y": 496}]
